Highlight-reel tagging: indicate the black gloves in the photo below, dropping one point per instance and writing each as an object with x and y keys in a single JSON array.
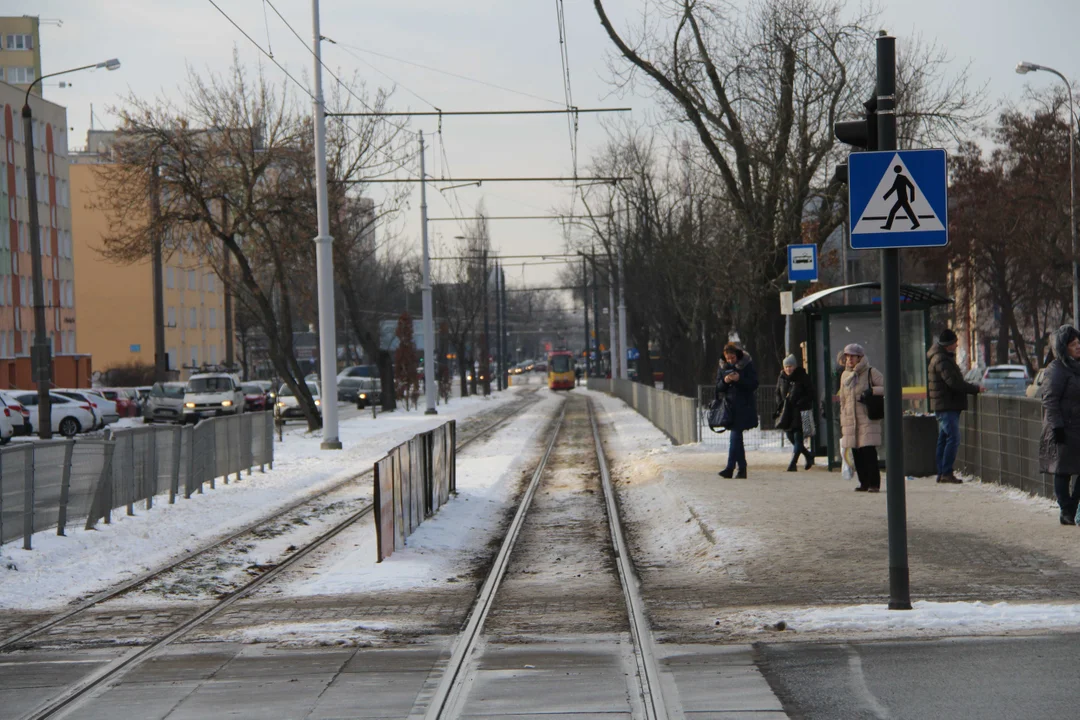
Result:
[{"x": 1059, "y": 435}]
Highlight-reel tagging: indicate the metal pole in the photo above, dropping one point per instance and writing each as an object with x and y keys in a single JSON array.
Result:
[
  {"x": 1072, "y": 209},
  {"x": 430, "y": 356},
  {"x": 613, "y": 349},
  {"x": 41, "y": 352},
  {"x": 485, "y": 368},
  {"x": 324, "y": 259},
  {"x": 585, "y": 302},
  {"x": 899, "y": 589},
  {"x": 161, "y": 358},
  {"x": 624, "y": 371},
  {"x": 499, "y": 320},
  {"x": 502, "y": 304},
  {"x": 596, "y": 311}
]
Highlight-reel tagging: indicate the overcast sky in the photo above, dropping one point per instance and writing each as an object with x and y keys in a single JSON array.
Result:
[{"x": 510, "y": 43}]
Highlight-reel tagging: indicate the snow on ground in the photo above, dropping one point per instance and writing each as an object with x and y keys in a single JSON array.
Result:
[
  {"x": 926, "y": 619},
  {"x": 61, "y": 569},
  {"x": 443, "y": 547}
]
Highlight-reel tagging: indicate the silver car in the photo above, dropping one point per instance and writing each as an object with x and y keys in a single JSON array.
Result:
[{"x": 165, "y": 404}]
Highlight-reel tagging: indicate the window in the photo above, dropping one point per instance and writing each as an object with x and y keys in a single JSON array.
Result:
[
  {"x": 191, "y": 280},
  {"x": 71, "y": 297},
  {"x": 169, "y": 279},
  {"x": 193, "y": 322},
  {"x": 213, "y": 354},
  {"x": 194, "y": 357},
  {"x": 172, "y": 317},
  {"x": 213, "y": 320},
  {"x": 210, "y": 282},
  {"x": 20, "y": 75},
  {"x": 20, "y": 42},
  {"x": 171, "y": 352}
]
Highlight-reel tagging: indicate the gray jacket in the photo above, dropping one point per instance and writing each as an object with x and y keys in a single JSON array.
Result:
[{"x": 1061, "y": 409}]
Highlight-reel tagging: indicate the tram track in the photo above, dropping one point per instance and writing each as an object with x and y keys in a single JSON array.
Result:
[
  {"x": 561, "y": 492},
  {"x": 502, "y": 415}
]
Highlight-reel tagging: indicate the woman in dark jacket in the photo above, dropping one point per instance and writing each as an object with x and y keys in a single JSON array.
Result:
[
  {"x": 794, "y": 394},
  {"x": 1059, "y": 451},
  {"x": 736, "y": 383}
]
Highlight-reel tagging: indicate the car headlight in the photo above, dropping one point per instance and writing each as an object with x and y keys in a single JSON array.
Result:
[
  {"x": 318, "y": 403},
  {"x": 281, "y": 404},
  {"x": 363, "y": 396},
  {"x": 190, "y": 405},
  {"x": 226, "y": 403},
  {"x": 272, "y": 395}
]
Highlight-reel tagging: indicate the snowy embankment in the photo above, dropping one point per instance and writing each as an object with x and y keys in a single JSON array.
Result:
[{"x": 61, "y": 569}]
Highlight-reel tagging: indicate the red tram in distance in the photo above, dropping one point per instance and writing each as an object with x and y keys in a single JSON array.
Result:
[{"x": 561, "y": 370}]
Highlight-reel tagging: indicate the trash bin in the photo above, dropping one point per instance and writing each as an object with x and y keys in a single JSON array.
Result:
[{"x": 920, "y": 445}]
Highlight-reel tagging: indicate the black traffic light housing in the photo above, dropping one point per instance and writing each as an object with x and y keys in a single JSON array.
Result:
[{"x": 860, "y": 133}]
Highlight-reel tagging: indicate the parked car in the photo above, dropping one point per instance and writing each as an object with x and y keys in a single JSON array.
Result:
[
  {"x": 254, "y": 397},
  {"x": 124, "y": 399},
  {"x": 287, "y": 404},
  {"x": 94, "y": 401},
  {"x": 362, "y": 391},
  {"x": 107, "y": 407},
  {"x": 371, "y": 371},
  {"x": 9, "y": 418},
  {"x": 69, "y": 417},
  {"x": 10, "y": 401},
  {"x": 212, "y": 395},
  {"x": 165, "y": 403},
  {"x": 1006, "y": 379}
]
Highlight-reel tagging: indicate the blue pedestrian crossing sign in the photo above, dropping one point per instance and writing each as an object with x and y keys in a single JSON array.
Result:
[
  {"x": 898, "y": 199},
  {"x": 802, "y": 265}
]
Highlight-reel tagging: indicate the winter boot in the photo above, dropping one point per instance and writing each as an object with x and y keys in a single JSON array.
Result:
[
  {"x": 727, "y": 473},
  {"x": 809, "y": 460},
  {"x": 950, "y": 479},
  {"x": 793, "y": 466},
  {"x": 741, "y": 475}
]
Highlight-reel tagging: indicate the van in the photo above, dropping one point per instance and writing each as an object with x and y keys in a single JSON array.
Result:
[{"x": 212, "y": 395}]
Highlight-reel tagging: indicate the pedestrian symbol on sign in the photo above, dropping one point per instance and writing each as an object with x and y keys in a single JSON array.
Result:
[{"x": 898, "y": 194}]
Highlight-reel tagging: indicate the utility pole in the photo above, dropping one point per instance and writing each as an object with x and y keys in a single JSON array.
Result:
[
  {"x": 502, "y": 303},
  {"x": 596, "y": 310},
  {"x": 161, "y": 358},
  {"x": 613, "y": 350},
  {"x": 499, "y": 327},
  {"x": 226, "y": 285},
  {"x": 485, "y": 369},
  {"x": 40, "y": 352},
  {"x": 585, "y": 304},
  {"x": 624, "y": 359},
  {"x": 429, "y": 321},
  {"x": 324, "y": 258},
  {"x": 899, "y": 588}
]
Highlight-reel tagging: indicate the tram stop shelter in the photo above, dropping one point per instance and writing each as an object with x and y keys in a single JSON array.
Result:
[{"x": 852, "y": 314}]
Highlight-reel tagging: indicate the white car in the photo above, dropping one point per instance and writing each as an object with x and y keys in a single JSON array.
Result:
[
  {"x": 69, "y": 417},
  {"x": 8, "y": 419},
  {"x": 211, "y": 395},
  {"x": 104, "y": 410},
  {"x": 289, "y": 407}
]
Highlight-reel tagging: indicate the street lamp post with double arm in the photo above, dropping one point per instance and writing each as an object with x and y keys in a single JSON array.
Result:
[
  {"x": 1023, "y": 68},
  {"x": 41, "y": 352}
]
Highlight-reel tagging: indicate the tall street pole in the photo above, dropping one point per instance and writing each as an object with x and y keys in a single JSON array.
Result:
[
  {"x": 899, "y": 588},
  {"x": 324, "y": 258},
  {"x": 226, "y": 286},
  {"x": 430, "y": 357},
  {"x": 613, "y": 344},
  {"x": 485, "y": 367},
  {"x": 41, "y": 352},
  {"x": 596, "y": 311},
  {"x": 624, "y": 371},
  {"x": 585, "y": 303},
  {"x": 502, "y": 304},
  {"x": 161, "y": 358},
  {"x": 499, "y": 327}
]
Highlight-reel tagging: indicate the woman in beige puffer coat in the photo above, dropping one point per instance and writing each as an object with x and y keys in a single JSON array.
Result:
[{"x": 858, "y": 431}]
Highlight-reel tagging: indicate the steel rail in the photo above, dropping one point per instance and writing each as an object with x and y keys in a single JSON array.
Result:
[
  {"x": 111, "y": 593},
  {"x": 446, "y": 692},
  {"x": 107, "y": 676},
  {"x": 641, "y": 633}
]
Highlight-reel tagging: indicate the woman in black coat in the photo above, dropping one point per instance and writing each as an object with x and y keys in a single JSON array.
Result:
[
  {"x": 1059, "y": 451},
  {"x": 736, "y": 383},
  {"x": 794, "y": 394}
]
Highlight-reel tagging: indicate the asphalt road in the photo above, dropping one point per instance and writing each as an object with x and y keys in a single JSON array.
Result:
[{"x": 984, "y": 678}]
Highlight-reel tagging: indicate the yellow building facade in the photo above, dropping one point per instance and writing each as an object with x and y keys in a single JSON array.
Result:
[
  {"x": 20, "y": 52},
  {"x": 115, "y": 300}
]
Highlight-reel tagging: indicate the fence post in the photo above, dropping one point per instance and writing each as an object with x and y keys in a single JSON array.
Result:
[
  {"x": 129, "y": 467},
  {"x": 65, "y": 488},
  {"x": 2, "y": 453},
  {"x": 150, "y": 475},
  {"x": 174, "y": 461},
  {"x": 28, "y": 499}
]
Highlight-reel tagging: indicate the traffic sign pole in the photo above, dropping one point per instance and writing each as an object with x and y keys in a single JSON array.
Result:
[{"x": 899, "y": 587}]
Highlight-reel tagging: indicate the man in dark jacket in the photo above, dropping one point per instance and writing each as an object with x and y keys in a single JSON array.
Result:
[
  {"x": 947, "y": 391},
  {"x": 1059, "y": 449}
]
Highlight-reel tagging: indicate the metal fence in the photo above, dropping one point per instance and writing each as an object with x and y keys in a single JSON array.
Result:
[
  {"x": 412, "y": 482},
  {"x": 765, "y": 436},
  {"x": 675, "y": 415},
  {"x": 54, "y": 483},
  {"x": 1000, "y": 443}
]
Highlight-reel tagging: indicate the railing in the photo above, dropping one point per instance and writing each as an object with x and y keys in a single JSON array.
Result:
[
  {"x": 412, "y": 482},
  {"x": 675, "y": 415},
  {"x": 764, "y": 436},
  {"x": 999, "y": 442},
  {"x": 54, "y": 483}
]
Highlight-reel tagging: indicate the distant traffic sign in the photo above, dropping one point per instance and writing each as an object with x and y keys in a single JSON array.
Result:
[
  {"x": 898, "y": 199},
  {"x": 802, "y": 265}
]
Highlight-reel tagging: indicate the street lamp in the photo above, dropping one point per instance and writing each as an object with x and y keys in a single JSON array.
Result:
[
  {"x": 40, "y": 352},
  {"x": 1023, "y": 68}
]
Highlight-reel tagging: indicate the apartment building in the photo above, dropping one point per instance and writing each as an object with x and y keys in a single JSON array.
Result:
[
  {"x": 51, "y": 158},
  {"x": 20, "y": 52},
  {"x": 115, "y": 300}
]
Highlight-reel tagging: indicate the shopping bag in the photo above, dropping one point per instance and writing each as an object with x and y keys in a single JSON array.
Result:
[
  {"x": 808, "y": 428},
  {"x": 720, "y": 417},
  {"x": 847, "y": 470}
]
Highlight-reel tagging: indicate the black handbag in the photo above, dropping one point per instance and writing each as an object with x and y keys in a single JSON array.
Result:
[
  {"x": 720, "y": 416},
  {"x": 875, "y": 404}
]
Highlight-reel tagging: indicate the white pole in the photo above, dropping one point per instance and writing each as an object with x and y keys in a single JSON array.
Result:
[
  {"x": 429, "y": 322},
  {"x": 624, "y": 370},
  {"x": 324, "y": 258}
]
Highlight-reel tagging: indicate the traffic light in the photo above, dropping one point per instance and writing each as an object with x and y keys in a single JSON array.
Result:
[{"x": 860, "y": 133}]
